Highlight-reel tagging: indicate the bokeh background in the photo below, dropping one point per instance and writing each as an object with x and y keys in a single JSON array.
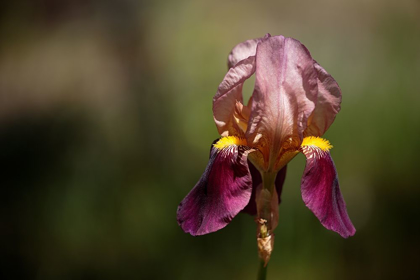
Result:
[{"x": 106, "y": 124}]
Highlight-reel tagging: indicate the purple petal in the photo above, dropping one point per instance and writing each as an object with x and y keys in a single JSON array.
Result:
[
  {"x": 284, "y": 96},
  {"x": 221, "y": 193},
  {"x": 321, "y": 192},
  {"x": 244, "y": 50},
  {"x": 327, "y": 104},
  {"x": 230, "y": 92},
  {"x": 251, "y": 208}
]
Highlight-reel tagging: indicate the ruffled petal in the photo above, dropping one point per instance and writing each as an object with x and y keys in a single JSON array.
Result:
[
  {"x": 228, "y": 95},
  {"x": 244, "y": 50},
  {"x": 251, "y": 208},
  {"x": 221, "y": 193},
  {"x": 327, "y": 104},
  {"x": 321, "y": 192},
  {"x": 284, "y": 95}
]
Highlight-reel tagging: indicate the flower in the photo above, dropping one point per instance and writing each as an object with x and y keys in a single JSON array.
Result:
[{"x": 293, "y": 104}]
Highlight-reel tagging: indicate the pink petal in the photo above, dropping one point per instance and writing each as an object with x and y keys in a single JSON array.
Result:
[
  {"x": 230, "y": 92},
  {"x": 284, "y": 96},
  {"x": 244, "y": 50},
  {"x": 327, "y": 104},
  {"x": 221, "y": 193},
  {"x": 321, "y": 192}
]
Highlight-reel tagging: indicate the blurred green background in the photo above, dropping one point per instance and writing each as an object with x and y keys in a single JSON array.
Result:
[{"x": 106, "y": 124}]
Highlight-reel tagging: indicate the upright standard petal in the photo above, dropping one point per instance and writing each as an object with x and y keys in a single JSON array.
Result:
[
  {"x": 244, "y": 50},
  {"x": 284, "y": 95},
  {"x": 327, "y": 104},
  {"x": 222, "y": 191},
  {"x": 320, "y": 189},
  {"x": 228, "y": 94}
]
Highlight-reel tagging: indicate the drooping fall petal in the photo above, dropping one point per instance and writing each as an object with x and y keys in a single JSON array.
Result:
[
  {"x": 227, "y": 96},
  {"x": 284, "y": 95},
  {"x": 327, "y": 104},
  {"x": 244, "y": 50},
  {"x": 320, "y": 188},
  {"x": 221, "y": 193}
]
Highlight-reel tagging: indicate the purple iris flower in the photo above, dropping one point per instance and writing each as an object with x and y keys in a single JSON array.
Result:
[{"x": 293, "y": 104}]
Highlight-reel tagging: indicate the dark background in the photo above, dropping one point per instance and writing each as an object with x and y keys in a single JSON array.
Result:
[{"x": 106, "y": 124}]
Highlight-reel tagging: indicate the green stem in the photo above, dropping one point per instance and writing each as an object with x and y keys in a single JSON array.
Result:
[
  {"x": 268, "y": 180},
  {"x": 264, "y": 222},
  {"x": 262, "y": 271},
  {"x": 264, "y": 204}
]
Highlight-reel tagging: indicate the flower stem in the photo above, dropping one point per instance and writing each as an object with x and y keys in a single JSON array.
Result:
[
  {"x": 262, "y": 271},
  {"x": 266, "y": 220},
  {"x": 264, "y": 204}
]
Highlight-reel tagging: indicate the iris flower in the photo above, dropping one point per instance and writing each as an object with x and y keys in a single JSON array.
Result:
[{"x": 293, "y": 104}]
